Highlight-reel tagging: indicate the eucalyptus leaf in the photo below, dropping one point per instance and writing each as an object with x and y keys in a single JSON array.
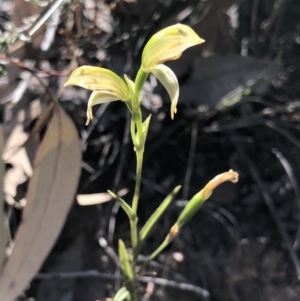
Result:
[{"x": 49, "y": 197}]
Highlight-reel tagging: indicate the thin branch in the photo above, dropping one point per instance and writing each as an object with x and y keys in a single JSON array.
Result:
[
  {"x": 189, "y": 169},
  {"x": 143, "y": 279}
]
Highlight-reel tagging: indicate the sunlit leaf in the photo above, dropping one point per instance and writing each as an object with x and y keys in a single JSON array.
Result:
[
  {"x": 3, "y": 232},
  {"x": 50, "y": 194}
]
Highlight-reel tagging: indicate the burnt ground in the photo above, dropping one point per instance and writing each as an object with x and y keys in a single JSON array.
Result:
[{"x": 244, "y": 243}]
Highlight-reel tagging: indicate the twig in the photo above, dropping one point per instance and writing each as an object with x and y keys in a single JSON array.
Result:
[
  {"x": 178, "y": 285},
  {"x": 293, "y": 180},
  {"x": 21, "y": 65},
  {"x": 38, "y": 24},
  {"x": 143, "y": 279},
  {"x": 253, "y": 24},
  {"x": 94, "y": 122},
  {"x": 189, "y": 169},
  {"x": 120, "y": 168}
]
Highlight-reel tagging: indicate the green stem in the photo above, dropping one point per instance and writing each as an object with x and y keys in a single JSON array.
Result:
[
  {"x": 139, "y": 164},
  {"x": 137, "y": 119},
  {"x": 133, "y": 285},
  {"x": 164, "y": 244},
  {"x": 139, "y": 151},
  {"x": 136, "y": 134},
  {"x": 133, "y": 232},
  {"x": 134, "y": 295}
]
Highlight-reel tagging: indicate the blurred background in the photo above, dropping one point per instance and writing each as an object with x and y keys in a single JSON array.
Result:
[{"x": 239, "y": 108}]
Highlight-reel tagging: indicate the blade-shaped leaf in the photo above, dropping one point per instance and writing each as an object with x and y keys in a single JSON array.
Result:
[
  {"x": 125, "y": 264},
  {"x": 133, "y": 103},
  {"x": 3, "y": 234},
  {"x": 157, "y": 214},
  {"x": 50, "y": 195},
  {"x": 146, "y": 124},
  {"x": 128, "y": 210},
  {"x": 121, "y": 294}
]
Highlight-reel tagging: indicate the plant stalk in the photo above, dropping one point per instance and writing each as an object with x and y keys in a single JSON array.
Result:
[
  {"x": 164, "y": 244},
  {"x": 139, "y": 164}
]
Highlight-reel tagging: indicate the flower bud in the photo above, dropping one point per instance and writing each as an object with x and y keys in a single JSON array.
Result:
[{"x": 199, "y": 198}]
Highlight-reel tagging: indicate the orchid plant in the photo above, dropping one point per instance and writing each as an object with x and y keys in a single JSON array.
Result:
[{"x": 167, "y": 44}]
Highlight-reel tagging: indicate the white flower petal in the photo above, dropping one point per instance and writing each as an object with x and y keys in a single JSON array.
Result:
[
  {"x": 98, "y": 97},
  {"x": 169, "y": 80}
]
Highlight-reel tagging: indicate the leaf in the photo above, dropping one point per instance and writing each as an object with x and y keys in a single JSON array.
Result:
[
  {"x": 145, "y": 127},
  {"x": 3, "y": 232},
  {"x": 128, "y": 210},
  {"x": 121, "y": 294},
  {"x": 133, "y": 103},
  {"x": 97, "y": 198},
  {"x": 154, "y": 218},
  {"x": 125, "y": 264},
  {"x": 50, "y": 195}
]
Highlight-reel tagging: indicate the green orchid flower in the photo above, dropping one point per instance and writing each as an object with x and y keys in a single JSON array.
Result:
[
  {"x": 107, "y": 86},
  {"x": 168, "y": 44}
]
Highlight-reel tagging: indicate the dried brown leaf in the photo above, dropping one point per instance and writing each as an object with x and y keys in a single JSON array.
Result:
[
  {"x": 97, "y": 198},
  {"x": 3, "y": 232},
  {"x": 50, "y": 194}
]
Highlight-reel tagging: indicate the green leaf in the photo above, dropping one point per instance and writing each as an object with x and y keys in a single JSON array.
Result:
[
  {"x": 99, "y": 79},
  {"x": 121, "y": 294},
  {"x": 140, "y": 80},
  {"x": 169, "y": 80},
  {"x": 49, "y": 197},
  {"x": 168, "y": 44},
  {"x": 124, "y": 259},
  {"x": 145, "y": 128},
  {"x": 158, "y": 213},
  {"x": 131, "y": 215},
  {"x": 133, "y": 104}
]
